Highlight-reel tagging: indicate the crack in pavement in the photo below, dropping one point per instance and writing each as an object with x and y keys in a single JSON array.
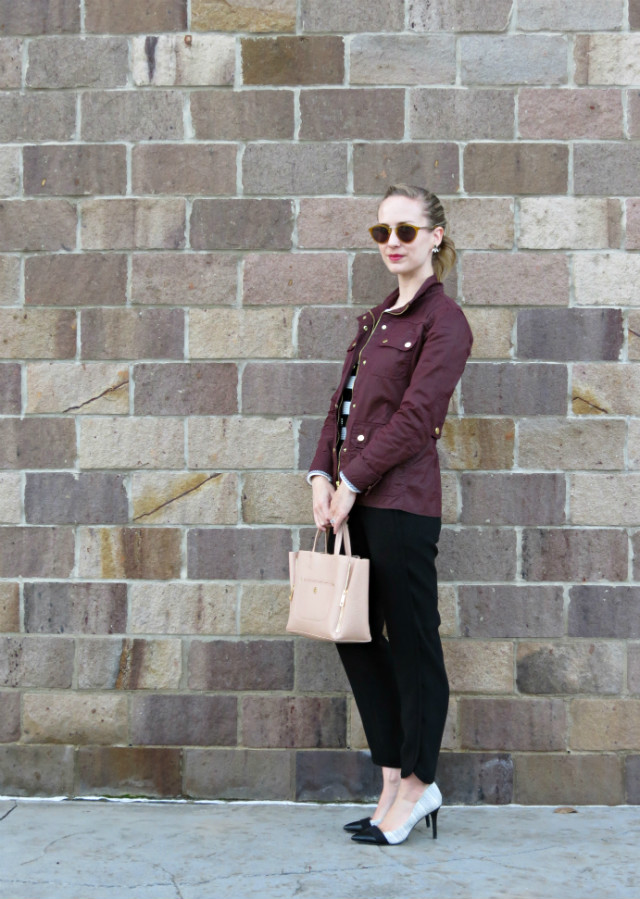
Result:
[{"x": 7, "y": 813}]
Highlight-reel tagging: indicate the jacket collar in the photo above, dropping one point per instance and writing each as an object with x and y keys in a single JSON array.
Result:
[{"x": 390, "y": 300}]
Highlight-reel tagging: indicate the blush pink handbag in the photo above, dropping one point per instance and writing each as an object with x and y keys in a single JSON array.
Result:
[{"x": 329, "y": 597}]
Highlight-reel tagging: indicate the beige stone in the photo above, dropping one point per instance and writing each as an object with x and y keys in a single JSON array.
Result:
[
  {"x": 480, "y": 224},
  {"x": 634, "y": 444},
  {"x": 241, "y": 333},
  {"x": 150, "y": 665},
  {"x": 37, "y": 333},
  {"x": 634, "y": 335},
  {"x": 235, "y": 442},
  {"x": 492, "y": 332},
  {"x": 198, "y": 59},
  {"x": 138, "y": 553},
  {"x": 177, "y": 608},
  {"x": 9, "y": 171},
  {"x": 581, "y": 223},
  {"x": 476, "y": 666},
  {"x": 131, "y": 443},
  {"x": 607, "y": 279},
  {"x": 606, "y": 388},
  {"x": 183, "y": 279},
  {"x": 276, "y": 498},
  {"x": 451, "y": 735},
  {"x": 264, "y": 609},
  {"x": 403, "y": 59},
  {"x": 555, "y": 443},
  {"x": 449, "y": 497},
  {"x": 74, "y": 718},
  {"x": 79, "y": 388},
  {"x": 608, "y": 59},
  {"x": 9, "y": 608},
  {"x": 144, "y": 224},
  {"x": 356, "y": 738},
  {"x": 9, "y": 280},
  {"x": 477, "y": 443},
  {"x": 340, "y": 223},
  {"x": 243, "y": 15},
  {"x": 605, "y": 724},
  {"x": 448, "y": 608},
  {"x": 605, "y": 499},
  {"x": 184, "y": 498},
  {"x": 10, "y": 497}
]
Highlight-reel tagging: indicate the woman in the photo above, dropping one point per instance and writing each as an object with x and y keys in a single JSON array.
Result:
[{"x": 377, "y": 465}]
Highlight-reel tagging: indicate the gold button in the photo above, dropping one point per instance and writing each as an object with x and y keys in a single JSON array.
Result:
[
  {"x": 364, "y": 361},
  {"x": 437, "y": 430},
  {"x": 408, "y": 344},
  {"x": 385, "y": 340},
  {"x": 360, "y": 438},
  {"x": 384, "y": 327},
  {"x": 366, "y": 327},
  {"x": 344, "y": 449}
]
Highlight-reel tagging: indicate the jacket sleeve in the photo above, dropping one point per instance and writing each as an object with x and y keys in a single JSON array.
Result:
[{"x": 423, "y": 409}]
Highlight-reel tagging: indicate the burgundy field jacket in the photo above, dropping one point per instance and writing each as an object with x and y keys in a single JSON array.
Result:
[{"x": 409, "y": 362}]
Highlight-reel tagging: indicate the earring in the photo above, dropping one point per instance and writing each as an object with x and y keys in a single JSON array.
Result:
[{"x": 436, "y": 249}]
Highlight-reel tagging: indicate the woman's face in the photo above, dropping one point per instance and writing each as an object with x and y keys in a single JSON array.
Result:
[{"x": 407, "y": 259}]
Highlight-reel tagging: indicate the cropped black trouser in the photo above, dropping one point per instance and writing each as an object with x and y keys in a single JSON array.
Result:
[{"x": 399, "y": 681}]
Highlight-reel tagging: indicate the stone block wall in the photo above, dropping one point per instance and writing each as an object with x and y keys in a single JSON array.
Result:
[{"x": 185, "y": 189}]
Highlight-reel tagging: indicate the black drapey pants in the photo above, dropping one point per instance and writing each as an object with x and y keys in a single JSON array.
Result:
[{"x": 399, "y": 681}]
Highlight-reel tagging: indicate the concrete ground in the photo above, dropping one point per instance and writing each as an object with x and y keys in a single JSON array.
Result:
[{"x": 173, "y": 850}]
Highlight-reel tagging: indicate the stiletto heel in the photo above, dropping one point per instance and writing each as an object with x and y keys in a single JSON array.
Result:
[
  {"x": 427, "y": 805},
  {"x": 434, "y": 818}
]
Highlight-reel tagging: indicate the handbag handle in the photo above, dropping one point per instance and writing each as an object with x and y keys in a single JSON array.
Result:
[{"x": 343, "y": 532}]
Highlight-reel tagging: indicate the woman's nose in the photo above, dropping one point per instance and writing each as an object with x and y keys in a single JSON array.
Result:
[{"x": 393, "y": 239}]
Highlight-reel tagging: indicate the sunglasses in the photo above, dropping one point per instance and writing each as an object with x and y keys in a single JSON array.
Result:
[{"x": 404, "y": 232}]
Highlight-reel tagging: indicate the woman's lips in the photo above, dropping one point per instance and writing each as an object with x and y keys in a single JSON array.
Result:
[{"x": 395, "y": 257}]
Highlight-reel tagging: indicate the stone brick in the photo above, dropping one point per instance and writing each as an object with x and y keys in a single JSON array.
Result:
[
  {"x": 136, "y": 553},
  {"x": 264, "y": 609},
  {"x": 568, "y": 779},
  {"x": 132, "y": 333},
  {"x": 323, "y": 333},
  {"x": 313, "y": 722},
  {"x": 240, "y": 333},
  {"x": 633, "y": 444},
  {"x": 633, "y": 667},
  {"x": 184, "y": 169},
  {"x": 295, "y": 389},
  {"x": 241, "y": 774},
  {"x": 476, "y": 777},
  {"x": 633, "y": 224},
  {"x": 184, "y": 498},
  {"x": 241, "y": 443},
  {"x": 513, "y": 724},
  {"x": 535, "y": 168},
  {"x": 197, "y": 388},
  {"x": 183, "y": 279},
  {"x": 402, "y": 59},
  {"x": 241, "y": 224},
  {"x": 36, "y": 552},
  {"x": 607, "y": 59},
  {"x": 283, "y": 279},
  {"x": 336, "y": 222},
  {"x": 635, "y": 543},
  {"x": 10, "y": 497},
  {"x": 318, "y": 668},
  {"x": 196, "y": 59},
  {"x": 144, "y": 224},
  {"x": 634, "y": 14},
  {"x": 632, "y": 779},
  {"x": 333, "y": 15},
  {"x": 9, "y": 608},
  {"x": 293, "y": 60},
  {"x": 129, "y": 664},
  {"x": 461, "y": 113},
  {"x": 132, "y": 115},
  {"x": 182, "y": 608},
  {"x": 477, "y": 554},
  {"x": 123, "y": 17},
  {"x": 612, "y": 612},
  {"x": 601, "y": 168},
  {"x": 308, "y": 437},
  {"x": 37, "y": 116},
  {"x": 477, "y": 443},
  {"x": 513, "y": 59},
  {"x": 569, "y": 554},
  {"x": 10, "y": 62},
  {"x": 578, "y": 223},
  {"x": 81, "y": 389},
  {"x": 74, "y": 279},
  {"x": 603, "y": 279},
  {"x": 9, "y": 718},
  {"x": 479, "y": 667},
  {"x": 605, "y": 724},
  {"x": 32, "y": 225},
  {"x": 10, "y": 389},
  {"x": 276, "y": 498},
  {"x": 481, "y": 224},
  {"x": 507, "y": 389},
  {"x": 40, "y": 17},
  {"x": 74, "y": 718},
  {"x": 63, "y": 62},
  {"x": 333, "y": 776},
  {"x": 377, "y": 165},
  {"x": 37, "y": 333},
  {"x": 240, "y": 15},
  {"x": 510, "y": 611},
  {"x": 335, "y": 114},
  {"x": 243, "y": 115},
  {"x": 9, "y": 281},
  {"x": 75, "y": 170},
  {"x": 565, "y": 334},
  {"x": 492, "y": 332},
  {"x": 565, "y": 113},
  {"x": 238, "y": 553},
  {"x": 98, "y": 663},
  {"x": 290, "y": 169},
  {"x": 588, "y": 15},
  {"x": 131, "y": 443},
  {"x": 605, "y": 499},
  {"x": 129, "y": 771},
  {"x": 240, "y": 665},
  {"x": 179, "y": 720},
  {"x": 516, "y": 499},
  {"x": 633, "y": 113},
  {"x": 75, "y": 498},
  {"x": 9, "y": 171},
  {"x": 36, "y": 662},
  {"x": 37, "y": 770},
  {"x": 37, "y": 443},
  {"x": 554, "y": 443},
  {"x": 570, "y": 668},
  {"x": 606, "y": 389},
  {"x": 461, "y": 15},
  {"x": 58, "y": 608}
]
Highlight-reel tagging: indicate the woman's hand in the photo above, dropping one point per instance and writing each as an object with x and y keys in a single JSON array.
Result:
[
  {"x": 341, "y": 505},
  {"x": 323, "y": 491}
]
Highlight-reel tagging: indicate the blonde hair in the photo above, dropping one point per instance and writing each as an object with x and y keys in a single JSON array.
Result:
[{"x": 445, "y": 259}]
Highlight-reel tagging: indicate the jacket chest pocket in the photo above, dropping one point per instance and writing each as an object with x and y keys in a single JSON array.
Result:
[{"x": 394, "y": 354}]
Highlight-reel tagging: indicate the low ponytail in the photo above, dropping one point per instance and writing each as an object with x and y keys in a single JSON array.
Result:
[{"x": 444, "y": 260}]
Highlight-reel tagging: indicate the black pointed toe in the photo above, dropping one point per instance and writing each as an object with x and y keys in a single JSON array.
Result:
[
  {"x": 371, "y": 835},
  {"x": 357, "y": 826}
]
